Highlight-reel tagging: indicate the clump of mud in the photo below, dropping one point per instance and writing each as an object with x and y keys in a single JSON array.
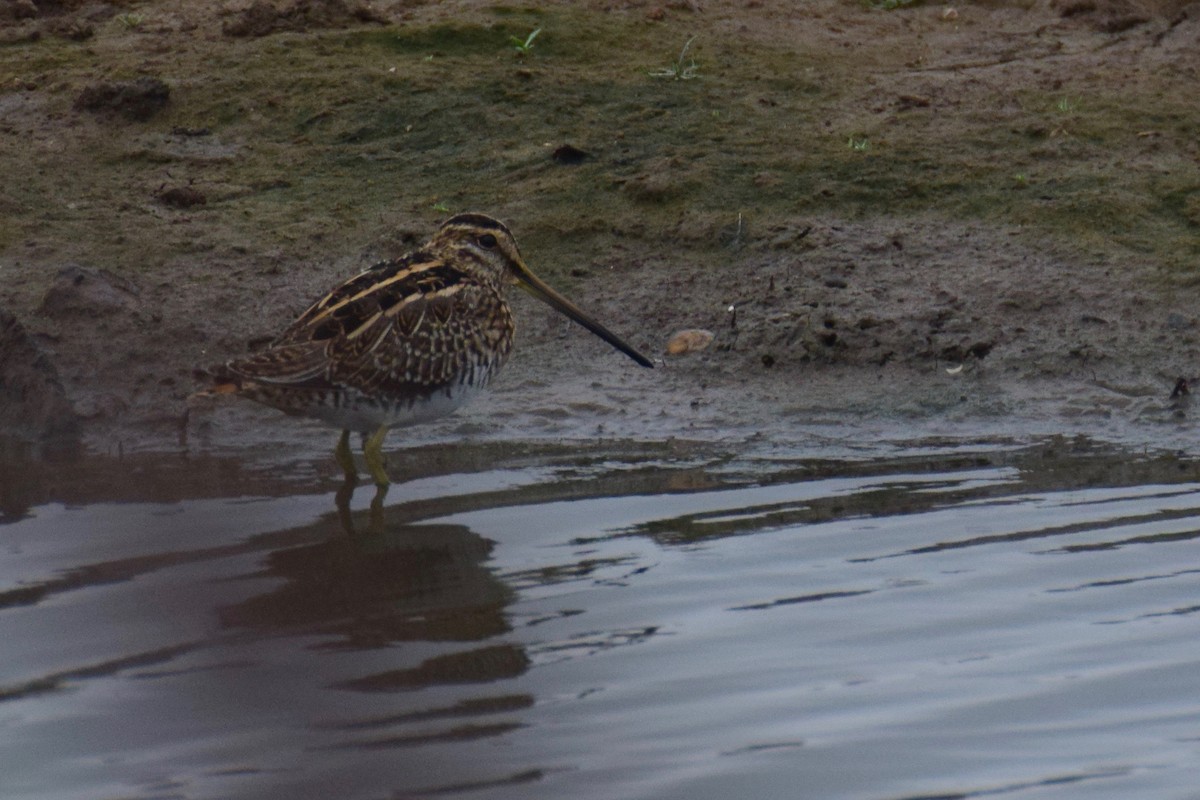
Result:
[
  {"x": 262, "y": 18},
  {"x": 1118, "y": 16},
  {"x": 182, "y": 197},
  {"x": 33, "y": 404},
  {"x": 138, "y": 99},
  {"x": 31, "y": 9},
  {"x": 29, "y": 20},
  {"x": 79, "y": 290}
]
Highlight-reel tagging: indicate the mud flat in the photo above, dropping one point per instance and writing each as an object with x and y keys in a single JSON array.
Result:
[{"x": 988, "y": 216}]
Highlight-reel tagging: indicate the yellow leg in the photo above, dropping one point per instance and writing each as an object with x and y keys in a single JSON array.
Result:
[
  {"x": 345, "y": 458},
  {"x": 373, "y": 453},
  {"x": 341, "y": 501},
  {"x": 376, "y": 516}
]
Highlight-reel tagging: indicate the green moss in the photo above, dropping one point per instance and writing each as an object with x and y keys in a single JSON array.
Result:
[{"x": 363, "y": 123}]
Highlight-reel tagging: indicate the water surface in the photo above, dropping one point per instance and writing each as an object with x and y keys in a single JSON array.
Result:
[{"x": 945, "y": 620}]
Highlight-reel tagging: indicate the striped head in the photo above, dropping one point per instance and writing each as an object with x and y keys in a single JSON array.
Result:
[{"x": 480, "y": 246}]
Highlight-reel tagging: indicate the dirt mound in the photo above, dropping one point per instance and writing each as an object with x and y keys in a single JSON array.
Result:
[
  {"x": 27, "y": 20},
  {"x": 79, "y": 290},
  {"x": 33, "y": 405},
  {"x": 138, "y": 99},
  {"x": 263, "y": 18}
]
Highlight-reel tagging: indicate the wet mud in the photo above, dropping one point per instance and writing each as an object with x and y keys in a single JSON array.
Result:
[{"x": 989, "y": 213}]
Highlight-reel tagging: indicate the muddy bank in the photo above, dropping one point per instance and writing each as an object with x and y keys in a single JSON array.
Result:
[{"x": 990, "y": 216}]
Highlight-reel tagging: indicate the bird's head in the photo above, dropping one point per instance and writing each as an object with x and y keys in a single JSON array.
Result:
[
  {"x": 480, "y": 245},
  {"x": 485, "y": 247}
]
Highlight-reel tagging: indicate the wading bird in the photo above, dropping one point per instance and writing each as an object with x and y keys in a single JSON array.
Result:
[{"x": 405, "y": 342}]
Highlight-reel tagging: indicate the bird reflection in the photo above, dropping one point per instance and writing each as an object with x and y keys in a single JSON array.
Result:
[
  {"x": 345, "y": 494},
  {"x": 407, "y": 582}
]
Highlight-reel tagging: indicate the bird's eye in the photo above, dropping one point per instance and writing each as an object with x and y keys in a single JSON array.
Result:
[{"x": 487, "y": 240}]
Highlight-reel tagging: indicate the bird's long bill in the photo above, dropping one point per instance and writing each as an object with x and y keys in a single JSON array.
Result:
[{"x": 538, "y": 288}]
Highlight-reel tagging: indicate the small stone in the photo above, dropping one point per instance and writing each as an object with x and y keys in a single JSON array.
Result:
[
  {"x": 569, "y": 154},
  {"x": 689, "y": 341}
]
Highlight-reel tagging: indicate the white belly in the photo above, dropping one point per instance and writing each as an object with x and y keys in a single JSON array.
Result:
[{"x": 354, "y": 411}]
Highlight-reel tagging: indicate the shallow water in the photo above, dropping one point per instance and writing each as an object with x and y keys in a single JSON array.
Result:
[{"x": 661, "y": 621}]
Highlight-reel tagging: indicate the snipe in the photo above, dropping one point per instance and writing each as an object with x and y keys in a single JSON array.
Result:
[{"x": 405, "y": 342}]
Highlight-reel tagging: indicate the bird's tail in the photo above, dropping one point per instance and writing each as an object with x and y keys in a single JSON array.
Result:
[{"x": 222, "y": 381}]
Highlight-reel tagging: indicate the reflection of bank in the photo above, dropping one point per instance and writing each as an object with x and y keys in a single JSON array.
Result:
[
  {"x": 32, "y": 477},
  {"x": 413, "y": 584}
]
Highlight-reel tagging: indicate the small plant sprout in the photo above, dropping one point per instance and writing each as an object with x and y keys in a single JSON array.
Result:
[
  {"x": 679, "y": 71},
  {"x": 736, "y": 243},
  {"x": 1021, "y": 180},
  {"x": 1067, "y": 108},
  {"x": 441, "y": 207},
  {"x": 523, "y": 46},
  {"x": 131, "y": 21},
  {"x": 858, "y": 144}
]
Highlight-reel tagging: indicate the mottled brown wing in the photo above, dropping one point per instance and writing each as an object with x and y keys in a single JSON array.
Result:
[
  {"x": 400, "y": 329},
  {"x": 458, "y": 334},
  {"x": 301, "y": 365},
  {"x": 349, "y": 305}
]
